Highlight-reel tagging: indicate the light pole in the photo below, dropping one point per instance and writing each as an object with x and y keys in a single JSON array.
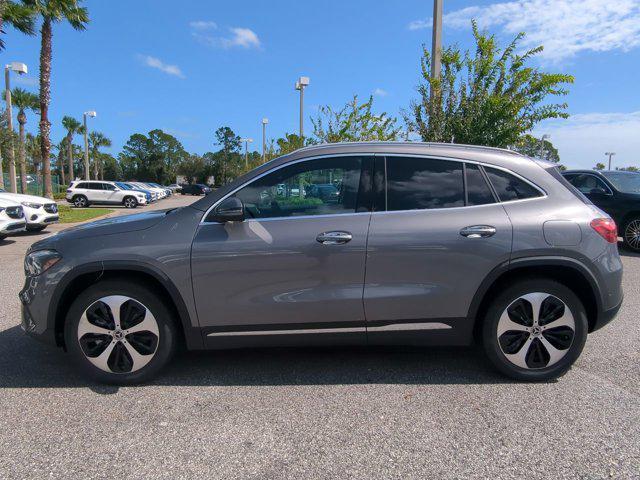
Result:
[
  {"x": 301, "y": 84},
  {"x": 610, "y": 154},
  {"x": 90, "y": 113},
  {"x": 19, "y": 68},
  {"x": 544, "y": 137},
  {"x": 265, "y": 121},
  {"x": 436, "y": 39},
  {"x": 246, "y": 141}
]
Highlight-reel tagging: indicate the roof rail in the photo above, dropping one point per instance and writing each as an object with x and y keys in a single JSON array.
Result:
[{"x": 417, "y": 144}]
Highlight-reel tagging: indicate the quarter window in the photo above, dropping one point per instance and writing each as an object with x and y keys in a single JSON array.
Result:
[
  {"x": 509, "y": 187},
  {"x": 421, "y": 183},
  {"x": 478, "y": 192},
  {"x": 316, "y": 187}
]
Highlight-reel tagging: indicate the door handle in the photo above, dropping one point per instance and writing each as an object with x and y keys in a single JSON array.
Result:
[
  {"x": 334, "y": 238},
  {"x": 478, "y": 231}
]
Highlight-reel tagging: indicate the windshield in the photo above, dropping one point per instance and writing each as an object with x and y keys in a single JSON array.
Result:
[
  {"x": 123, "y": 186},
  {"x": 627, "y": 182}
]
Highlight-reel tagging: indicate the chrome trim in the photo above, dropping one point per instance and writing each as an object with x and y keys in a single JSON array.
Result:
[
  {"x": 287, "y": 332},
  {"x": 399, "y": 327}
]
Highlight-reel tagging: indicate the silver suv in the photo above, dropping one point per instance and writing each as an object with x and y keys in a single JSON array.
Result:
[
  {"x": 424, "y": 244},
  {"x": 86, "y": 192}
]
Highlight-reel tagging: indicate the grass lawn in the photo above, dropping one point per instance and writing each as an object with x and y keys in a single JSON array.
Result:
[{"x": 73, "y": 215}]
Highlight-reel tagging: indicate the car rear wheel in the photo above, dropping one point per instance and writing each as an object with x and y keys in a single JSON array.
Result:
[
  {"x": 130, "y": 202},
  {"x": 119, "y": 332},
  {"x": 535, "y": 330},
  {"x": 631, "y": 234},
  {"x": 80, "y": 201}
]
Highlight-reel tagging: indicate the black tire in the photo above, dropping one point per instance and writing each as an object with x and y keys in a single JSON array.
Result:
[
  {"x": 129, "y": 202},
  {"x": 39, "y": 228},
  {"x": 2, "y": 236},
  {"x": 80, "y": 201},
  {"x": 631, "y": 234},
  {"x": 533, "y": 371},
  {"x": 165, "y": 341}
]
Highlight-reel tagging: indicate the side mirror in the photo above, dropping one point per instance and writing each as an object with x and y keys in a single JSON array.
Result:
[{"x": 230, "y": 210}]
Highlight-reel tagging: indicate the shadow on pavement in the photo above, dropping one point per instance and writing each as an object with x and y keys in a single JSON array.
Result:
[{"x": 26, "y": 363}]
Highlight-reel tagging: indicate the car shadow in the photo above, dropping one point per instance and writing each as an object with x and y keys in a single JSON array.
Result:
[
  {"x": 26, "y": 363},
  {"x": 626, "y": 252}
]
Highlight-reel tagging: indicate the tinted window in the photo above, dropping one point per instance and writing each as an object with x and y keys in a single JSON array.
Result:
[
  {"x": 628, "y": 182},
  {"x": 108, "y": 186},
  {"x": 586, "y": 183},
  {"x": 421, "y": 183},
  {"x": 94, "y": 186},
  {"x": 478, "y": 192},
  {"x": 292, "y": 191},
  {"x": 509, "y": 187},
  {"x": 82, "y": 185}
]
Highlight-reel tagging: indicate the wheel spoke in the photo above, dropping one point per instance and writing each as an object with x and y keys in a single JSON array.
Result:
[
  {"x": 148, "y": 324},
  {"x": 566, "y": 320},
  {"x": 506, "y": 324},
  {"x": 519, "y": 358},
  {"x": 101, "y": 360},
  {"x": 535, "y": 299},
  {"x": 139, "y": 361},
  {"x": 115, "y": 302},
  {"x": 84, "y": 326},
  {"x": 554, "y": 353}
]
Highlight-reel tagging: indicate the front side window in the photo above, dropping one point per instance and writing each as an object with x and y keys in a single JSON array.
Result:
[
  {"x": 415, "y": 183},
  {"x": 108, "y": 186},
  {"x": 324, "y": 186},
  {"x": 509, "y": 187},
  {"x": 586, "y": 183}
]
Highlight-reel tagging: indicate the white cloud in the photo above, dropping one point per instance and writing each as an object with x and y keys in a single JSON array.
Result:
[
  {"x": 154, "y": 62},
  {"x": 583, "y": 138},
  {"x": 203, "y": 25},
  {"x": 239, "y": 37},
  {"x": 380, "y": 92},
  {"x": 564, "y": 27}
]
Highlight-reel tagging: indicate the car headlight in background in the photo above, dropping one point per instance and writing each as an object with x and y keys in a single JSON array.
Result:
[
  {"x": 40, "y": 261},
  {"x": 31, "y": 205}
]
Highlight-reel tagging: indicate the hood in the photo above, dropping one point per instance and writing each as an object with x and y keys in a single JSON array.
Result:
[
  {"x": 7, "y": 202},
  {"x": 19, "y": 197}
]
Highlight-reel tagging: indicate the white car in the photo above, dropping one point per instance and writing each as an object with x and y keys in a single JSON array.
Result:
[
  {"x": 83, "y": 193},
  {"x": 11, "y": 218},
  {"x": 38, "y": 211},
  {"x": 160, "y": 191}
]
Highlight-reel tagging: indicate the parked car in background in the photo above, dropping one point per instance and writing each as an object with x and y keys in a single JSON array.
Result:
[
  {"x": 38, "y": 211},
  {"x": 615, "y": 192},
  {"x": 326, "y": 192},
  {"x": 151, "y": 196},
  {"x": 194, "y": 189},
  {"x": 427, "y": 244},
  {"x": 167, "y": 190},
  {"x": 159, "y": 191},
  {"x": 11, "y": 218},
  {"x": 175, "y": 188},
  {"x": 83, "y": 193}
]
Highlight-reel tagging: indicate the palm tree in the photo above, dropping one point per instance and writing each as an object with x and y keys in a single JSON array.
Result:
[
  {"x": 72, "y": 126},
  {"x": 23, "y": 100},
  {"x": 18, "y": 16},
  {"x": 97, "y": 140},
  {"x": 52, "y": 11}
]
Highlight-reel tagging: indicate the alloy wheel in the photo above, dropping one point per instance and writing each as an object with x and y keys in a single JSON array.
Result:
[
  {"x": 632, "y": 234},
  {"x": 129, "y": 203},
  {"x": 118, "y": 334},
  {"x": 536, "y": 330},
  {"x": 81, "y": 202}
]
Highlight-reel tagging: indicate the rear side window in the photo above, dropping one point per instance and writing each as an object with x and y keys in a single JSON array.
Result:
[
  {"x": 478, "y": 192},
  {"x": 509, "y": 187},
  {"x": 422, "y": 183}
]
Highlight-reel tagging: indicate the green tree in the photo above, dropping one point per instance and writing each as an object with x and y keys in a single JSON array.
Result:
[
  {"x": 153, "y": 158},
  {"x": 628, "y": 169},
  {"x": 23, "y": 100},
  {"x": 229, "y": 159},
  {"x": 73, "y": 127},
  {"x": 97, "y": 140},
  {"x": 193, "y": 167},
  {"x": 600, "y": 166},
  {"x": 52, "y": 11},
  {"x": 109, "y": 167},
  {"x": 17, "y": 16},
  {"x": 354, "y": 123},
  {"x": 489, "y": 97},
  {"x": 537, "y": 148},
  {"x": 289, "y": 143}
]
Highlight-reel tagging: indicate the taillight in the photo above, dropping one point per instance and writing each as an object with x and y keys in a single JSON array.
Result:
[{"x": 606, "y": 228}]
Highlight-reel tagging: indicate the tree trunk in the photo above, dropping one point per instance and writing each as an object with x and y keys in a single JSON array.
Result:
[
  {"x": 70, "y": 157},
  {"x": 95, "y": 166},
  {"x": 22, "y": 154},
  {"x": 45, "y": 98},
  {"x": 63, "y": 176}
]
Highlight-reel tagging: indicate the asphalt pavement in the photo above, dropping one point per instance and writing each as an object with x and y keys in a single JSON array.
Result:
[{"x": 323, "y": 413}]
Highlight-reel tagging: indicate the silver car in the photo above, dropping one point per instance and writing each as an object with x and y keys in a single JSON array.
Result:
[{"x": 425, "y": 244}]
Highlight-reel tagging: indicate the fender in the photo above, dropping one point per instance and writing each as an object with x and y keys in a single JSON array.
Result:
[
  {"x": 192, "y": 334},
  {"x": 532, "y": 262}
]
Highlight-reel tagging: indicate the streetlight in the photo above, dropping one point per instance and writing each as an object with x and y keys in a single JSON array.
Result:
[
  {"x": 246, "y": 141},
  {"x": 436, "y": 42},
  {"x": 301, "y": 84},
  {"x": 20, "y": 69},
  {"x": 610, "y": 154},
  {"x": 264, "y": 139},
  {"x": 544, "y": 137},
  {"x": 92, "y": 114}
]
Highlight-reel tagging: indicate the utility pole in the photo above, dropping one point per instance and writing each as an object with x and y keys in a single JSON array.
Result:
[
  {"x": 301, "y": 84},
  {"x": 264, "y": 139},
  {"x": 436, "y": 41},
  {"x": 610, "y": 154},
  {"x": 21, "y": 69},
  {"x": 92, "y": 114},
  {"x": 544, "y": 137},
  {"x": 246, "y": 141}
]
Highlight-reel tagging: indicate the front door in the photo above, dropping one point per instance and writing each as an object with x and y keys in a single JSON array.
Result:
[
  {"x": 293, "y": 270},
  {"x": 430, "y": 246}
]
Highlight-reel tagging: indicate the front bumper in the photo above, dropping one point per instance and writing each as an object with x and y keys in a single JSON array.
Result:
[{"x": 12, "y": 227}]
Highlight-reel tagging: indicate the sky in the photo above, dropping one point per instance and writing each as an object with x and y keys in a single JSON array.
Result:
[{"x": 192, "y": 66}]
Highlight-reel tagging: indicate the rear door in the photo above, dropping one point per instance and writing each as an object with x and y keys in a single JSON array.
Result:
[{"x": 437, "y": 233}]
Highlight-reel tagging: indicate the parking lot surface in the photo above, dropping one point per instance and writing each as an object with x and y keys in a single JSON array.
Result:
[{"x": 326, "y": 413}]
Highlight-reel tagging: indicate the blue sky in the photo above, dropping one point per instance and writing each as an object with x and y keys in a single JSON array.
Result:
[{"x": 145, "y": 64}]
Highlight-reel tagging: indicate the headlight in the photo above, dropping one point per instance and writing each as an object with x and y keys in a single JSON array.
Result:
[
  {"x": 31, "y": 205},
  {"x": 40, "y": 261}
]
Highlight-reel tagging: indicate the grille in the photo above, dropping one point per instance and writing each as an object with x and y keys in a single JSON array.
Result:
[
  {"x": 14, "y": 212},
  {"x": 51, "y": 208},
  {"x": 15, "y": 226}
]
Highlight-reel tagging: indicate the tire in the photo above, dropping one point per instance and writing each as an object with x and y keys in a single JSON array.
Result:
[
  {"x": 631, "y": 234},
  {"x": 80, "y": 201},
  {"x": 130, "y": 202},
  {"x": 2, "y": 236},
  {"x": 39, "y": 228},
  {"x": 518, "y": 346},
  {"x": 151, "y": 347}
]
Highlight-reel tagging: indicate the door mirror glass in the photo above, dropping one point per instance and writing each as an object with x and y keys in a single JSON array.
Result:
[{"x": 230, "y": 210}]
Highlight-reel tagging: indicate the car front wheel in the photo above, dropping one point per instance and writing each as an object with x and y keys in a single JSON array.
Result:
[
  {"x": 535, "y": 330},
  {"x": 119, "y": 332},
  {"x": 130, "y": 202},
  {"x": 631, "y": 234}
]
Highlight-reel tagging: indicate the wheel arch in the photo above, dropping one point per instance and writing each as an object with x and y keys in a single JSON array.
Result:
[
  {"x": 79, "y": 279},
  {"x": 567, "y": 271}
]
